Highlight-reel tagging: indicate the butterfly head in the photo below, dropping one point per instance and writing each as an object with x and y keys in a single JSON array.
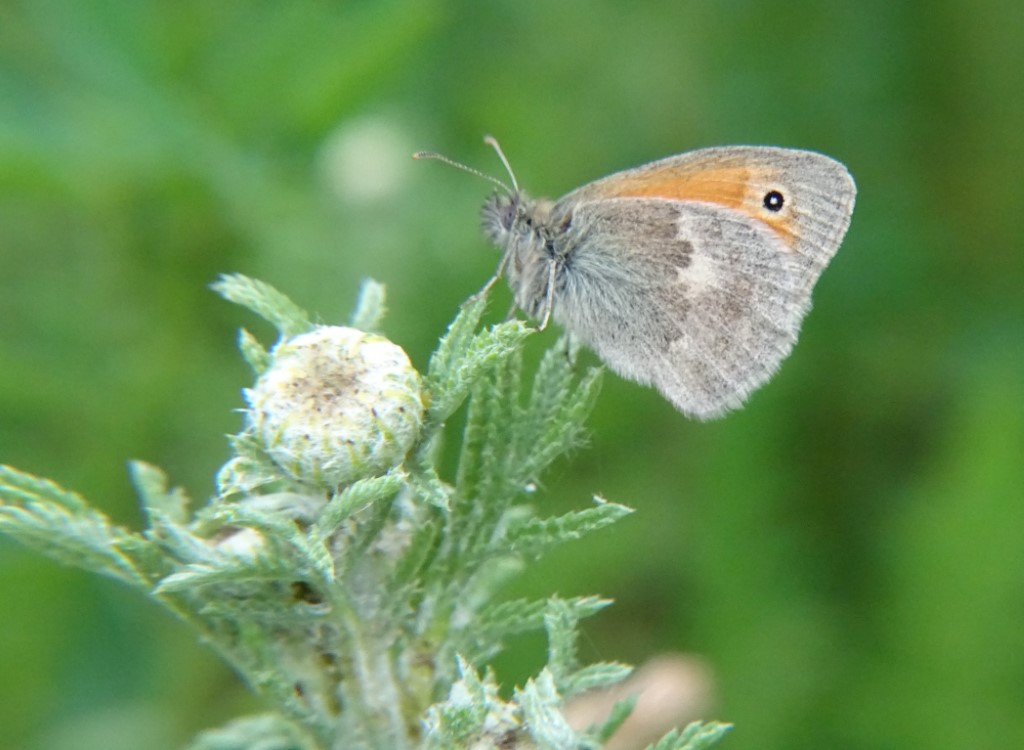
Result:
[{"x": 500, "y": 214}]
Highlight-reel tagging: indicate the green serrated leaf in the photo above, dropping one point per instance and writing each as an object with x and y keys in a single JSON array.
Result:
[
  {"x": 250, "y": 469},
  {"x": 560, "y": 623},
  {"x": 616, "y": 717},
  {"x": 44, "y": 516},
  {"x": 542, "y": 715},
  {"x": 179, "y": 543},
  {"x": 255, "y": 568},
  {"x": 429, "y": 488},
  {"x": 593, "y": 677},
  {"x": 370, "y": 306},
  {"x": 485, "y": 489},
  {"x": 553, "y": 381},
  {"x": 19, "y": 486},
  {"x": 555, "y": 392},
  {"x": 253, "y": 352},
  {"x": 307, "y": 556},
  {"x": 474, "y": 440},
  {"x": 502, "y": 413},
  {"x": 472, "y": 711},
  {"x": 453, "y": 370},
  {"x": 262, "y": 612},
  {"x": 560, "y": 429},
  {"x": 524, "y": 615},
  {"x": 83, "y": 540},
  {"x": 420, "y": 550},
  {"x": 696, "y": 736},
  {"x": 355, "y": 497},
  {"x": 263, "y": 732},
  {"x": 535, "y": 536},
  {"x": 468, "y": 594},
  {"x": 456, "y": 339},
  {"x": 146, "y": 557},
  {"x": 241, "y": 476},
  {"x": 264, "y": 300},
  {"x": 155, "y": 494}
]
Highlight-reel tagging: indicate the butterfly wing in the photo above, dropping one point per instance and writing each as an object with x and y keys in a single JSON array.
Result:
[{"x": 680, "y": 275}]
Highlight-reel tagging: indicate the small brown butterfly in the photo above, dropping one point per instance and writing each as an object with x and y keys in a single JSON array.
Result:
[{"x": 691, "y": 273}]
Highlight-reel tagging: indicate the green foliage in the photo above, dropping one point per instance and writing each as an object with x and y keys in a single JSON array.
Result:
[
  {"x": 61, "y": 525},
  {"x": 271, "y": 305},
  {"x": 464, "y": 355},
  {"x": 370, "y": 307},
  {"x": 694, "y": 737},
  {"x": 266, "y": 732},
  {"x": 619, "y": 713},
  {"x": 499, "y": 621},
  {"x": 363, "y": 613}
]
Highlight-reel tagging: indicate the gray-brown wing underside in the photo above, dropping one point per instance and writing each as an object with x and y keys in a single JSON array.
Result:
[{"x": 693, "y": 298}]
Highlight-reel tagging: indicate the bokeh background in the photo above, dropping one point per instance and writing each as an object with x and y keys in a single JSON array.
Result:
[{"x": 846, "y": 553}]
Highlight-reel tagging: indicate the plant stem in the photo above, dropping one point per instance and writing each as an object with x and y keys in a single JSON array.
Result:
[{"x": 375, "y": 704}]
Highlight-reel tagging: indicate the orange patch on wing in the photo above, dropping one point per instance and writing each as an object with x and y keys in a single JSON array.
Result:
[
  {"x": 727, "y": 187},
  {"x": 738, "y": 188}
]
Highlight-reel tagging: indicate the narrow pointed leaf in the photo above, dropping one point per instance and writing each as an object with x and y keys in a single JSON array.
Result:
[
  {"x": 253, "y": 352},
  {"x": 264, "y": 300},
  {"x": 44, "y": 516},
  {"x": 156, "y": 495},
  {"x": 535, "y": 536},
  {"x": 370, "y": 306}
]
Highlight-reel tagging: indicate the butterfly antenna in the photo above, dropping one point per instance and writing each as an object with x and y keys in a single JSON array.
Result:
[
  {"x": 458, "y": 165},
  {"x": 491, "y": 141}
]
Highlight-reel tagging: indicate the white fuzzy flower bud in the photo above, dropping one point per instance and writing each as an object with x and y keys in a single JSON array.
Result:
[{"x": 336, "y": 404}]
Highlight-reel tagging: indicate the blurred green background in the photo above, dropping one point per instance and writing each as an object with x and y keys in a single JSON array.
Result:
[{"x": 847, "y": 553}]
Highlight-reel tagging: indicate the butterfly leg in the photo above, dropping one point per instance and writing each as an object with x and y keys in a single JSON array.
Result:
[
  {"x": 491, "y": 281},
  {"x": 549, "y": 295}
]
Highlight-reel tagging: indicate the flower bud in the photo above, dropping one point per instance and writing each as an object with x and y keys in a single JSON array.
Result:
[{"x": 336, "y": 405}]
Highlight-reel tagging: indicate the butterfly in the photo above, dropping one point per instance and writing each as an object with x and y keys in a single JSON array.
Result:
[{"x": 692, "y": 273}]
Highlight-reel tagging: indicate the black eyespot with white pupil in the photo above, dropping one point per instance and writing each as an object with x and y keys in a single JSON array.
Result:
[{"x": 773, "y": 200}]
